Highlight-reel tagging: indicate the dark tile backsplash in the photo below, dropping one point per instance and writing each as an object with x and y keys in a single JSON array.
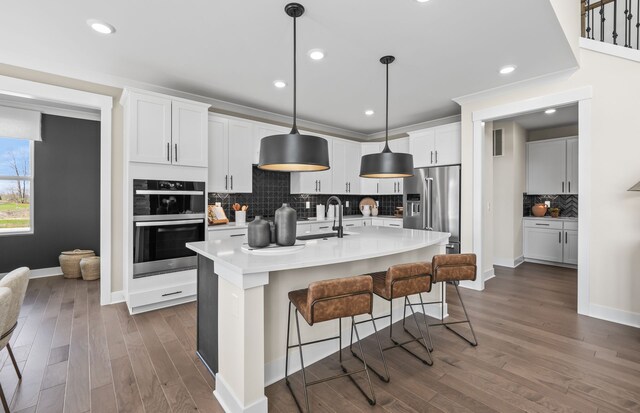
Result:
[
  {"x": 568, "y": 204},
  {"x": 272, "y": 189}
]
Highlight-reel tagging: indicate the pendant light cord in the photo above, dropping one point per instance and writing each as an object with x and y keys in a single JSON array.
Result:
[
  {"x": 294, "y": 129},
  {"x": 386, "y": 125}
]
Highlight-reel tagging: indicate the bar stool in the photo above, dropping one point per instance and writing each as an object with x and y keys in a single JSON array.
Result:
[
  {"x": 330, "y": 300},
  {"x": 401, "y": 281},
  {"x": 453, "y": 268}
]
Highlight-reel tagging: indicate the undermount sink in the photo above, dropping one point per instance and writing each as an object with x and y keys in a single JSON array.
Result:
[{"x": 319, "y": 236}]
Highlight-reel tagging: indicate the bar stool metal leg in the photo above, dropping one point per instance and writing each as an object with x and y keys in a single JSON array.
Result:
[
  {"x": 384, "y": 377},
  {"x": 304, "y": 374},
  {"x": 13, "y": 360},
  {"x": 4, "y": 401},
  {"x": 448, "y": 325}
]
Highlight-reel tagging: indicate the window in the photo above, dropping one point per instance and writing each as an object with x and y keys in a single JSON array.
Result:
[{"x": 16, "y": 184}]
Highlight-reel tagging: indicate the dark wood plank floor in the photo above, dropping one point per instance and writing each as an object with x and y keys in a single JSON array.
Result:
[{"x": 535, "y": 354}]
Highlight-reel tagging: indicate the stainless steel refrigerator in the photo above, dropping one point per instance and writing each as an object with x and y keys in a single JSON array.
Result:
[{"x": 432, "y": 202}]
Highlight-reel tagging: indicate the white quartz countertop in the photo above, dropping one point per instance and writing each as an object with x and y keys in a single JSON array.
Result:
[
  {"x": 233, "y": 225},
  {"x": 363, "y": 243},
  {"x": 549, "y": 217}
]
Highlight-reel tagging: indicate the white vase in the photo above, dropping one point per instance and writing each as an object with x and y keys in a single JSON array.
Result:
[
  {"x": 366, "y": 210},
  {"x": 374, "y": 211}
]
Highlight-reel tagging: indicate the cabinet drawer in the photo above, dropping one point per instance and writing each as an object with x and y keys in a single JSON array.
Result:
[
  {"x": 159, "y": 295},
  {"x": 322, "y": 226},
  {"x": 395, "y": 223},
  {"x": 227, "y": 233},
  {"x": 377, "y": 222},
  {"x": 543, "y": 223},
  {"x": 571, "y": 225}
]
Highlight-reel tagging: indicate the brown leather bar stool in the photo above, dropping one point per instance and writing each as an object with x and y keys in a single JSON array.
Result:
[
  {"x": 330, "y": 300},
  {"x": 453, "y": 268},
  {"x": 402, "y": 281}
]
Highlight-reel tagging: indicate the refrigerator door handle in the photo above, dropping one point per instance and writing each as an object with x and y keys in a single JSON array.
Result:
[{"x": 428, "y": 204}]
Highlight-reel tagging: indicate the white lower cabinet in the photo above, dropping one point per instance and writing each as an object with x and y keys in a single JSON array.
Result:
[{"x": 551, "y": 240}]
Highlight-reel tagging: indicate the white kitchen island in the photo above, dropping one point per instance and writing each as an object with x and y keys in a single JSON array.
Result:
[{"x": 252, "y": 302}]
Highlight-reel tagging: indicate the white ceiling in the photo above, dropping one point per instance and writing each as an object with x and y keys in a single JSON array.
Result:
[
  {"x": 234, "y": 50},
  {"x": 565, "y": 115}
]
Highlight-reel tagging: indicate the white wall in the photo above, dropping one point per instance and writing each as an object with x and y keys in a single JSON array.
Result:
[
  {"x": 488, "y": 212},
  {"x": 614, "y": 258},
  {"x": 508, "y": 187}
]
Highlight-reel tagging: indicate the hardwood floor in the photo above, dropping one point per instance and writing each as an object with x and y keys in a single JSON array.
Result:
[{"x": 535, "y": 354}]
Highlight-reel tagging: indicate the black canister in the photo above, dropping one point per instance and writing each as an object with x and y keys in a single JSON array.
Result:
[
  {"x": 286, "y": 221},
  {"x": 259, "y": 233}
]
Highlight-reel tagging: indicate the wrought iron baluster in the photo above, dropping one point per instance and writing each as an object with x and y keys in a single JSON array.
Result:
[
  {"x": 615, "y": 23},
  {"x": 587, "y": 16},
  {"x": 626, "y": 14},
  {"x": 638, "y": 26},
  {"x": 629, "y": 23},
  {"x": 593, "y": 23},
  {"x": 602, "y": 20}
]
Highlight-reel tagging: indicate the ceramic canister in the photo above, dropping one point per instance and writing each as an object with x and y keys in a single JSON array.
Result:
[{"x": 286, "y": 222}]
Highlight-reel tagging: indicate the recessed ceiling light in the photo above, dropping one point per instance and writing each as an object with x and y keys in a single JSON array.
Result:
[
  {"x": 505, "y": 70},
  {"x": 101, "y": 27},
  {"x": 550, "y": 111},
  {"x": 369, "y": 112},
  {"x": 422, "y": 1},
  {"x": 316, "y": 54},
  {"x": 279, "y": 84}
]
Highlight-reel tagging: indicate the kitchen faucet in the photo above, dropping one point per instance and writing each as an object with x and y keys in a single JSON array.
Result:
[{"x": 339, "y": 228}]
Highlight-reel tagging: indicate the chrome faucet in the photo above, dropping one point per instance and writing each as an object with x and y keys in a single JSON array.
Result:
[{"x": 339, "y": 228}]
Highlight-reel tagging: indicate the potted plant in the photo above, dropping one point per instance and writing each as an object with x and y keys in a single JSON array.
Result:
[{"x": 554, "y": 212}]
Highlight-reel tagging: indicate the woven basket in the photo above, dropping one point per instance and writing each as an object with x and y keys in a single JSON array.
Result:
[
  {"x": 90, "y": 267},
  {"x": 70, "y": 262}
]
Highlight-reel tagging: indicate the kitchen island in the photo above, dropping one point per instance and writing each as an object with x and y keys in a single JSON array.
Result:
[{"x": 246, "y": 327}]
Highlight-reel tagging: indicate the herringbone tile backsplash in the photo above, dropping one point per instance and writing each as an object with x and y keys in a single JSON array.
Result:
[{"x": 568, "y": 204}]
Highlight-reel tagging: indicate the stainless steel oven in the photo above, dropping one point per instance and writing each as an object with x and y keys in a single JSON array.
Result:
[{"x": 166, "y": 216}]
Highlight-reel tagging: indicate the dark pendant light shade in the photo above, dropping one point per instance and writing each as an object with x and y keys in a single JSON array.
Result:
[
  {"x": 386, "y": 164},
  {"x": 294, "y": 152}
]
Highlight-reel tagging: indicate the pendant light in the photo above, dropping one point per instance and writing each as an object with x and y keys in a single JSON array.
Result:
[
  {"x": 294, "y": 152},
  {"x": 386, "y": 164}
]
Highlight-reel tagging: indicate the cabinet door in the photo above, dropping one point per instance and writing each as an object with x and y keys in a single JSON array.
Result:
[
  {"x": 546, "y": 167},
  {"x": 570, "y": 247},
  {"x": 543, "y": 244},
  {"x": 325, "y": 178},
  {"x": 240, "y": 156},
  {"x": 150, "y": 127},
  {"x": 395, "y": 223},
  {"x": 339, "y": 167},
  {"x": 262, "y": 130},
  {"x": 447, "y": 144},
  {"x": 399, "y": 145},
  {"x": 377, "y": 222},
  {"x": 218, "y": 154},
  {"x": 369, "y": 186},
  {"x": 189, "y": 134},
  {"x": 422, "y": 147},
  {"x": 572, "y": 166},
  {"x": 352, "y": 166}
]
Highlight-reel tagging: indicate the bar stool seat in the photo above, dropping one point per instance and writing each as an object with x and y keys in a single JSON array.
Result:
[
  {"x": 325, "y": 301},
  {"x": 402, "y": 281}
]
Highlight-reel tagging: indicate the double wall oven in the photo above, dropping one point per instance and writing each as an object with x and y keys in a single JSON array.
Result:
[{"x": 166, "y": 215}]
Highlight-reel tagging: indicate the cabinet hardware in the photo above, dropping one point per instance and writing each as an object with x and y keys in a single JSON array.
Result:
[
  {"x": 236, "y": 235},
  {"x": 546, "y": 225},
  {"x": 563, "y": 187},
  {"x": 226, "y": 182},
  {"x": 173, "y": 293},
  {"x": 431, "y": 156},
  {"x": 323, "y": 227},
  {"x": 316, "y": 186},
  {"x": 349, "y": 225},
  {"x": 569, "y": 183},
  {"x": 168, "y": 152},
  {"x": 436, "y": 156},
  {"x": 394, "y": 225},
  {"x": 566, "y": 237},
  {"x": 349, "y": 187},
  {"x": 176, "y": 152},
  {"x": 346, "y": 187},
  {"x": 377, "y": 188},
  {"x": 231, "y": 181},
  {"x": 560, "y": 237},
  {"x": 320, "y": 185},
  {"x": 394, "y": 187}
]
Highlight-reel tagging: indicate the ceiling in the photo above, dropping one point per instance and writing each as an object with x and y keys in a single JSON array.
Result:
[
  {"x": 565, "y": 115},
  {"x": 234, "y": 50}
]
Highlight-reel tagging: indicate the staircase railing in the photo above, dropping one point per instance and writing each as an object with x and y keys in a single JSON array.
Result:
[{"x": 609, "y": 20}]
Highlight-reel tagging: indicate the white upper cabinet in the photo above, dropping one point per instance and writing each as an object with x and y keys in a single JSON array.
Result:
[
  {"x": 262, "y": 130},
  {"x": 572, "y": 166},
  {"x": 369, "y": 186},
  {"x": 436, "y": 146},
  {"x": 315, "y": 182},
  {"x": 165, "y": 130},
  {"x": 230, "y": 155},
  {"x": 189, "y": 134},
  {"x": 390, "y": 186},
  {"x": 346, "y": 167},
  {"x": 552, "y": 166}
]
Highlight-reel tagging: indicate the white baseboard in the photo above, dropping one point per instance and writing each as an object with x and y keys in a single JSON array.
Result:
[
  {"x": 230, "y": 402},
  {"x": 488, "y": 274},
  {"x": 117, "y": 297},
  {"x": 274, "y": 370},
  {"x": 508, "y": 262},
  {"x": 42, "y": 272},
  {"x": 614, "y": 315}
]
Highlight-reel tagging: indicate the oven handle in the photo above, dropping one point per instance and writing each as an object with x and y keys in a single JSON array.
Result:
[
  {"x": 160, "y": 192},
  {"x": 166, "y": 223}
]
